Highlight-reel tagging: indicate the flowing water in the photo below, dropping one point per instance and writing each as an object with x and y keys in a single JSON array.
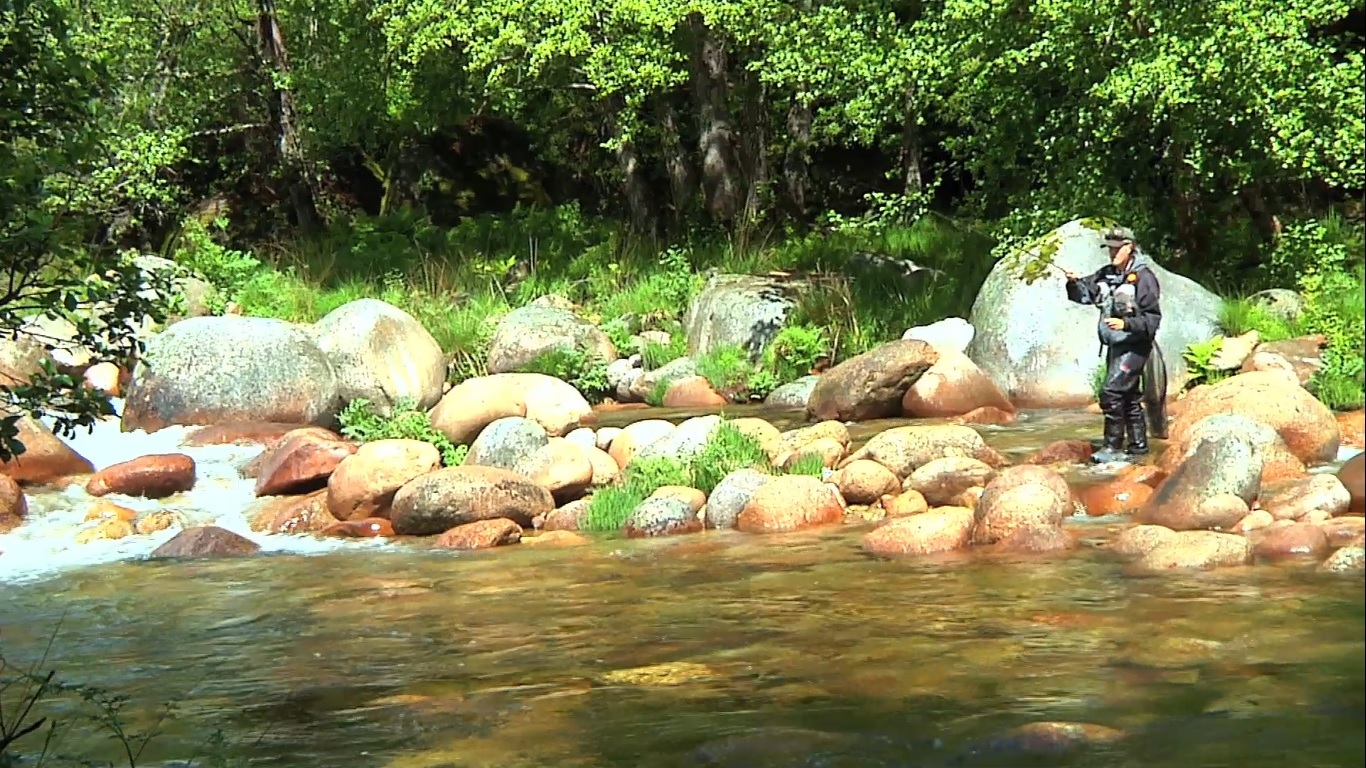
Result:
[{"x": 711, "y": 649}]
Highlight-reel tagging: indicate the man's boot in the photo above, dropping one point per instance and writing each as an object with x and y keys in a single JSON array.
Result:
[
  {"x": 1112, "y": 446},
  {"x": 1137, "y": 427}
]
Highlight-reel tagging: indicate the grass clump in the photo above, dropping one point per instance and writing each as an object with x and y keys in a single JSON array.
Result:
[
  {"x": 1238, "y": 316},
  {"x": 727, "y": 450},
  {"x": 363, "y": 422},
  {"x": 588, "y": 373},
  {"x": 810, "y": 464},
  {"x": 610, "y": 506}
]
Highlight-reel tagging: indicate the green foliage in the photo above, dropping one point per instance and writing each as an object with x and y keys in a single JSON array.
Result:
[
  {"x": 1335, "y": 306},
  {"x": 50, "y": 145},
  {"x": 1098, "y": 379},
  {"x": 654, "y": 355},
  {"x": 795, "y": 352},
  {"x": 727, "y": 369},
  {"x": 1198, "y": 356},
  {"x": 228, "y": 270},
  {"x": 727, "y": 450},
  {"x": 1239, "y": 316},
  {"x": 363, "y": 422},
  {"x": 609, "y": 507},
  {"x": 587, "y": 373},
  {"x": 810, "y": 464}
]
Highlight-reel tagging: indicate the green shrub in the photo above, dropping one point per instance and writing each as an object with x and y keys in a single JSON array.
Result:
[
  {"x": 1336, "y": 307},
  {"x": 587, "y": 373},
  {"x": 609, "y": 507},
  {"x": 654, "y": 355},
  {"x": 1239, "y": 316},
  {"x": 226, "y": 269},
  {"x": 727, "y": 368},
  {"x": 362, "y": 422},
  {"x": 727, "y": 450},
  {"x": 807, "y": 464},
  {"x": 1198, "y": 356},
  {"x": 795, "y": 351}
]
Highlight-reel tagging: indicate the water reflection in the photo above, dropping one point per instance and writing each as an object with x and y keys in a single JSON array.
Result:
[{"x": 713, "y": 649}]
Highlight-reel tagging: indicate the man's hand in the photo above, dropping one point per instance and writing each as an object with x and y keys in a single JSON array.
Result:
[{"x": 1114, "y": 323}]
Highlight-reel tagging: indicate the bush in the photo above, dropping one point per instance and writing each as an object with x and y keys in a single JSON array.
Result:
[
  {"x": 587, "y": 373},
  {"x": 362, "y": 422},
  {"x": 727, "y": 450},
  {"x": 609, "y": 507}
]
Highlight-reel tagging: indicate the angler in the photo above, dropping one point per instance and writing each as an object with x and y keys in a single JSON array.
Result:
[{"x": 1130, "y": 299}]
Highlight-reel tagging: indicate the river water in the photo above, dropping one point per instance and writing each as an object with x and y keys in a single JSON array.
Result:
[{"x": 711, "y": 649}]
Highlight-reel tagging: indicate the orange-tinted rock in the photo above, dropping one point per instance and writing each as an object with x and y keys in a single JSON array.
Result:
[
  {"x": 1146, "y": 474},
  {"x": 302, "y": 462},
  {"x": 103, "y": 377},
  {"x": 156, "y": 476},
  {"x": 864, "y": 482},
  {"x": 364, "y": 483},
  {"x": 1303, "y": 354},
  {"x": 46, "y": 457},
  {"x": 953, "y": 386},
  {"x": 367, "y": 528},
  {"x": 102, "y": 509},
  {"x": 1062, "y": 452},
  {"x": 483, "y": 534},
  {"x": 871, "y": 385},
  {"x": 293, "y": 514},
  {"x": 1021, "y": 497},
  {"x": 556, "y": 539},
  {"x": 1036, "y": 540},
  {"x": 1051, "y": 738},
  {"x": 1197, "y": 550},
  {"x": 1255, "y": 520},
  {"x": 453, "y": 496},
  {"x": 942, "y": 481},
  {"x": 790, "y": 503},
  {"x": 635, "y": 436},
  {"x": 1306, "y": 425},
  {"x": 1297, "y": 498},
  {"x": 565, "y": 518},
  {"x": 13, "y": 504},
  {"x": 1113, "y": 497},
  {"x": 987, "y": 415},
  {"x": 1343, "y": 531},
  {"x": 1352, "y": 426},
  {"x": 106, "y": 529},
  {"x": 692, "y": 392},
  {"x": 158, "y": 520},
  {"x": 904, "y": 504},
  {"x": 206, "y": 541},
  {"x": 694, "y": 498},
  {"x": 1140, "y": 539},
  {"x": 938, "y": 530},
  {"x": 1295, "y": 540}
]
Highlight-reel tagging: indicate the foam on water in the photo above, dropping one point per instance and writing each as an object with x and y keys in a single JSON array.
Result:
[{"x": 45, "y": 544}]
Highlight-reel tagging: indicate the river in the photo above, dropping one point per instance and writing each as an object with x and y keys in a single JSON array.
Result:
[{"x": 712, "y": 649}]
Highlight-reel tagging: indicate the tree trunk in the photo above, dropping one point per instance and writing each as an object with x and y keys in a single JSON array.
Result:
[
  {"x": 294, "y": 164},
  {"x": 796, "y": 169},
  {"x": 634, "y": 183},
  {"x": 717, "y": 142},
  {"x": 1188, "y": 232},
  {"x": 754, "y": 157},
  {"x": 679, "y": 166},
  {"x": 912, "y": 168}
]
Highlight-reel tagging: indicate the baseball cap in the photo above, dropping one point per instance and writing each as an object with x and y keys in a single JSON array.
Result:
[{"x": 1114, "y": 237}]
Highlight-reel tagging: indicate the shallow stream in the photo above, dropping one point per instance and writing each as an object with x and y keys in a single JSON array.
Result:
[{"x": 711, "y": 649}]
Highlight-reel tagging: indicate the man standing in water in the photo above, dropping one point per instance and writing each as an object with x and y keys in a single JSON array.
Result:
[{"x": 1127, "y": 292}]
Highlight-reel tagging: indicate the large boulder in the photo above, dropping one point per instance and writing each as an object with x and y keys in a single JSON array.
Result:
[
  {"x": 527, "y": 333},
  {"x": 1042, "y": 349},
  {"x": 1306, "y": 425},
  {"x": 745, "y": 311},
  {"x": 381, "y": 354},
  {"x": 475, "y": 403},
  {"x": 214, "y": 370},
  {"x": 871, "y": 385}
]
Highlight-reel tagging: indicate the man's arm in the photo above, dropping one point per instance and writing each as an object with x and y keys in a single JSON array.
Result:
[
  {"x": 1148, "y": 302},
  {"x": 1084, "y": 290}
]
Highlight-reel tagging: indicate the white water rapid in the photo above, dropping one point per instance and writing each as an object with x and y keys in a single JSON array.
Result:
[{"x": 45, "y": 544}]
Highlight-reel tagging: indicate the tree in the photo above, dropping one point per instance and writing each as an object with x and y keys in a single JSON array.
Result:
[{"x": 49, "y": 149}]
